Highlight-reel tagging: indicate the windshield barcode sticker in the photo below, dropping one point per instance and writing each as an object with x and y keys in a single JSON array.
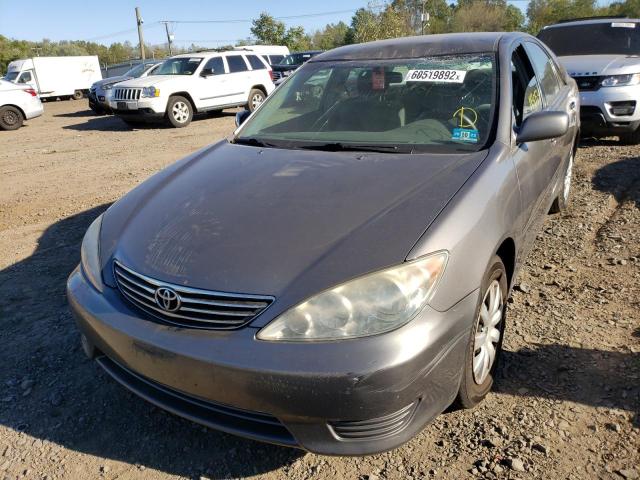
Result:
[
  {"x": 446, "y": 76},
  {"x": 623, "y": 25}
]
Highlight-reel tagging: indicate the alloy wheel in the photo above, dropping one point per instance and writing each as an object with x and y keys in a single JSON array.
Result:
[
  {"x": 180, "y": 112},
  {"x": 256, "y": 101},
  {"x": 488, "y": 332}
]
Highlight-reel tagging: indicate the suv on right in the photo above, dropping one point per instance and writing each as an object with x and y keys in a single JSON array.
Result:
[{"x": 601, "y": 54}]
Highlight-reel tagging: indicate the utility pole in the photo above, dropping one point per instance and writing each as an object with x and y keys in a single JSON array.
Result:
[
  {"x": 169, "y": 37},
  {"x": 139, "y": 21}
]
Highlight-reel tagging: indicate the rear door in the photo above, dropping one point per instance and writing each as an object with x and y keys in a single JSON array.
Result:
[{"x": 558, "y": 96}]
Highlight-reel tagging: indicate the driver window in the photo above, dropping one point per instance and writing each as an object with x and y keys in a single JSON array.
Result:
[
  {"x": 25, "y": 77},
  {"x": 525, "y": 88},
  {"x": 215, "y": 65}
]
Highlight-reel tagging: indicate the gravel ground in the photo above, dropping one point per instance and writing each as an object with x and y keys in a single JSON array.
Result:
[{"x": 567, "y": 400}]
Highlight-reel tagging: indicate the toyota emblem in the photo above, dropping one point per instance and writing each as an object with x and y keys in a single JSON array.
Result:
[{"x": 167, "y": 299}]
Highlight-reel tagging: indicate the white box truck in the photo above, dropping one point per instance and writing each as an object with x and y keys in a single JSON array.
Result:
[{"x": 55, "y": 77}]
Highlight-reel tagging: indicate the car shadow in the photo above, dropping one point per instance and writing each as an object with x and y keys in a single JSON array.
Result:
[
  {"x": 52, "y": 392},
  {"x": 80, "y": 113},
  {"x": 590, "y": 377},
  {"x": 621, "y": 179}
]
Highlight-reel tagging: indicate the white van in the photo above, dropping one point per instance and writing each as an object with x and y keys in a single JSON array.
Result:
[
  {"x": 273, "y": 54},
  {"x": 56, "y": 76}
]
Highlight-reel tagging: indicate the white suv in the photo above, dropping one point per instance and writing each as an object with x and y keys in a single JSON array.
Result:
[{"x": 194, "y": 83}]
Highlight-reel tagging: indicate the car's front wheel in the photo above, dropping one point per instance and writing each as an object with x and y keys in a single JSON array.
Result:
[
  {"x": 485, "y": 339},
  {"x": 179, "y": 111},
  {"x": 77, "y": 95},
  {"x": 10, "y": 118}
]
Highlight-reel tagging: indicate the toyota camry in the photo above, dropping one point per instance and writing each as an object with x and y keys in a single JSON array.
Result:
[{"x": 334, "y": 274}]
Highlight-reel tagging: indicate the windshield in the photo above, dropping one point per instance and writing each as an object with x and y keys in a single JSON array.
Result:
[
  {"x": 442, "y": 103},
  {"x": 136, "y": 71},
  {"x": 11, "y": 76},
  {"x": 179, "y": 66},
  {"x": 615, "y": 38}
]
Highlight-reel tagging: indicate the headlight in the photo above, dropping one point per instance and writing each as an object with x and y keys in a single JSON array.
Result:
[
  {"x": 90, "y": 254},
  {"x": 150, "y": 92},
  {"x": 108, "y": 86},
  {"x": 621, "y": 80},
  {"x": 368, "y": 305}
]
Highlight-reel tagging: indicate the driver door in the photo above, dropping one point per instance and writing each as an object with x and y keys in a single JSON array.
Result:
[
  {"x": 213, "y": 84},
  {"x": 27, "y": 78}
]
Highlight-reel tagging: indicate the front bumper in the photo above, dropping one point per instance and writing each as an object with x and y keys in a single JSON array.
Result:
[
  {"x": 348, "y": 397},
  {"x": 146, "y": 110},
  {"x": 602, "y": 111}
]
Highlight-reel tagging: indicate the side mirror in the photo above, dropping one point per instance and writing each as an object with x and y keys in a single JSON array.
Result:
[
  {"x": 241, "y": 117},
  {"x": 543, "y": 126},
  {"x": 207, "y": 72}
]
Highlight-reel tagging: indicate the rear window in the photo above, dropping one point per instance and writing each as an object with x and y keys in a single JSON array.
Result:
[
  {"x": 275, "y": 59},
  {"x": 256, "y": 63},
  {"x": 236, "y": 64}
]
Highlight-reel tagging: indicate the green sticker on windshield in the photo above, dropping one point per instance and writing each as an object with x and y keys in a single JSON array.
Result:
[{"x": 465, "y": 135}]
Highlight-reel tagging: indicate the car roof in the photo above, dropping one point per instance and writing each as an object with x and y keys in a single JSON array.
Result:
[
  {"x": 213, "y": 53},
  {"x": 591, "y": 21},
  {"x": 420, "y": 46}
]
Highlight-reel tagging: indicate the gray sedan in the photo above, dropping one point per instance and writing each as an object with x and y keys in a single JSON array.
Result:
[{"x": 335, "y": 274}]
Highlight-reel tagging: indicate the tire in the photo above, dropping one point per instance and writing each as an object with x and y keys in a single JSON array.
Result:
[
  {"x": 256, "y": 97},
  {"x": 561, "y": 202},
  {"x": 77, "y": 95},
  {"x": 632, "y": 138},
  {"x": 10, "y": 118},
  {"x": 478, "y": 376},
  {"x": 179, "y": 111}
]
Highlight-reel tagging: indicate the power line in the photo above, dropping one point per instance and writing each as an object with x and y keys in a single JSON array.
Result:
[{"x": 244, "y": 20}]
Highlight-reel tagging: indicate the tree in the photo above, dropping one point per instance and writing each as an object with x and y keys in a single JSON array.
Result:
[
  {"x": 332, "y": 36},
  {"x": 546, "y": 12},
  {"x": 268, "y": 30},
  {"x": 486, "y": 16},
  {"x": 393, "y": 21}
]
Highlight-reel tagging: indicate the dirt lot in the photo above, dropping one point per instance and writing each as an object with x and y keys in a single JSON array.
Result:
[{"x": 567, "y": 401}]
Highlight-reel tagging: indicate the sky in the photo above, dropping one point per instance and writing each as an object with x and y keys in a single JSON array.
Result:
[{"x": 100, "y": 20}]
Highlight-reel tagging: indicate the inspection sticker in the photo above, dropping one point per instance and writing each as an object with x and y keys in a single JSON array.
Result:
[
  {"x": 465, "y": 135},
  {"x": 441, "y": 75}
]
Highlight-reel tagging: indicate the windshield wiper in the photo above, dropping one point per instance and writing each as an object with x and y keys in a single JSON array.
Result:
[
  {"x": 252, "y": 141},
  {"x": 354, "y": 147}
]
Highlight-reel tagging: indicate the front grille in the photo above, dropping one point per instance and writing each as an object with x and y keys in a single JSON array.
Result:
[
  {"x": 257, "y": 425},
  {"x": 126, "y": 93},
  {"x": 193, "y": 308},
  {"x": 375, "y": 428},
  {"x": 588, "y": 83},
  {"x": 277, "y": 75}
]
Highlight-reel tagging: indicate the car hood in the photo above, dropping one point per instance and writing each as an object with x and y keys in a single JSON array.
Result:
[
  {"x": 110, "y": 81},
  {"x": 287, "y": 223},
  {"x": 586, "y": 65},
  {"x": 154, "y": 80}
]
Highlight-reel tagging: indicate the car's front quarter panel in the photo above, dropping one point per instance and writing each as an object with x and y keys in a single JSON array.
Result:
[{"x": 484, "y": 213}]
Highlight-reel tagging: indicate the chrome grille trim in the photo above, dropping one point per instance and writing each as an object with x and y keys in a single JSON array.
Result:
[
  {"x": 127, "y": 93},
  {"x": 198, "y": 308}
]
